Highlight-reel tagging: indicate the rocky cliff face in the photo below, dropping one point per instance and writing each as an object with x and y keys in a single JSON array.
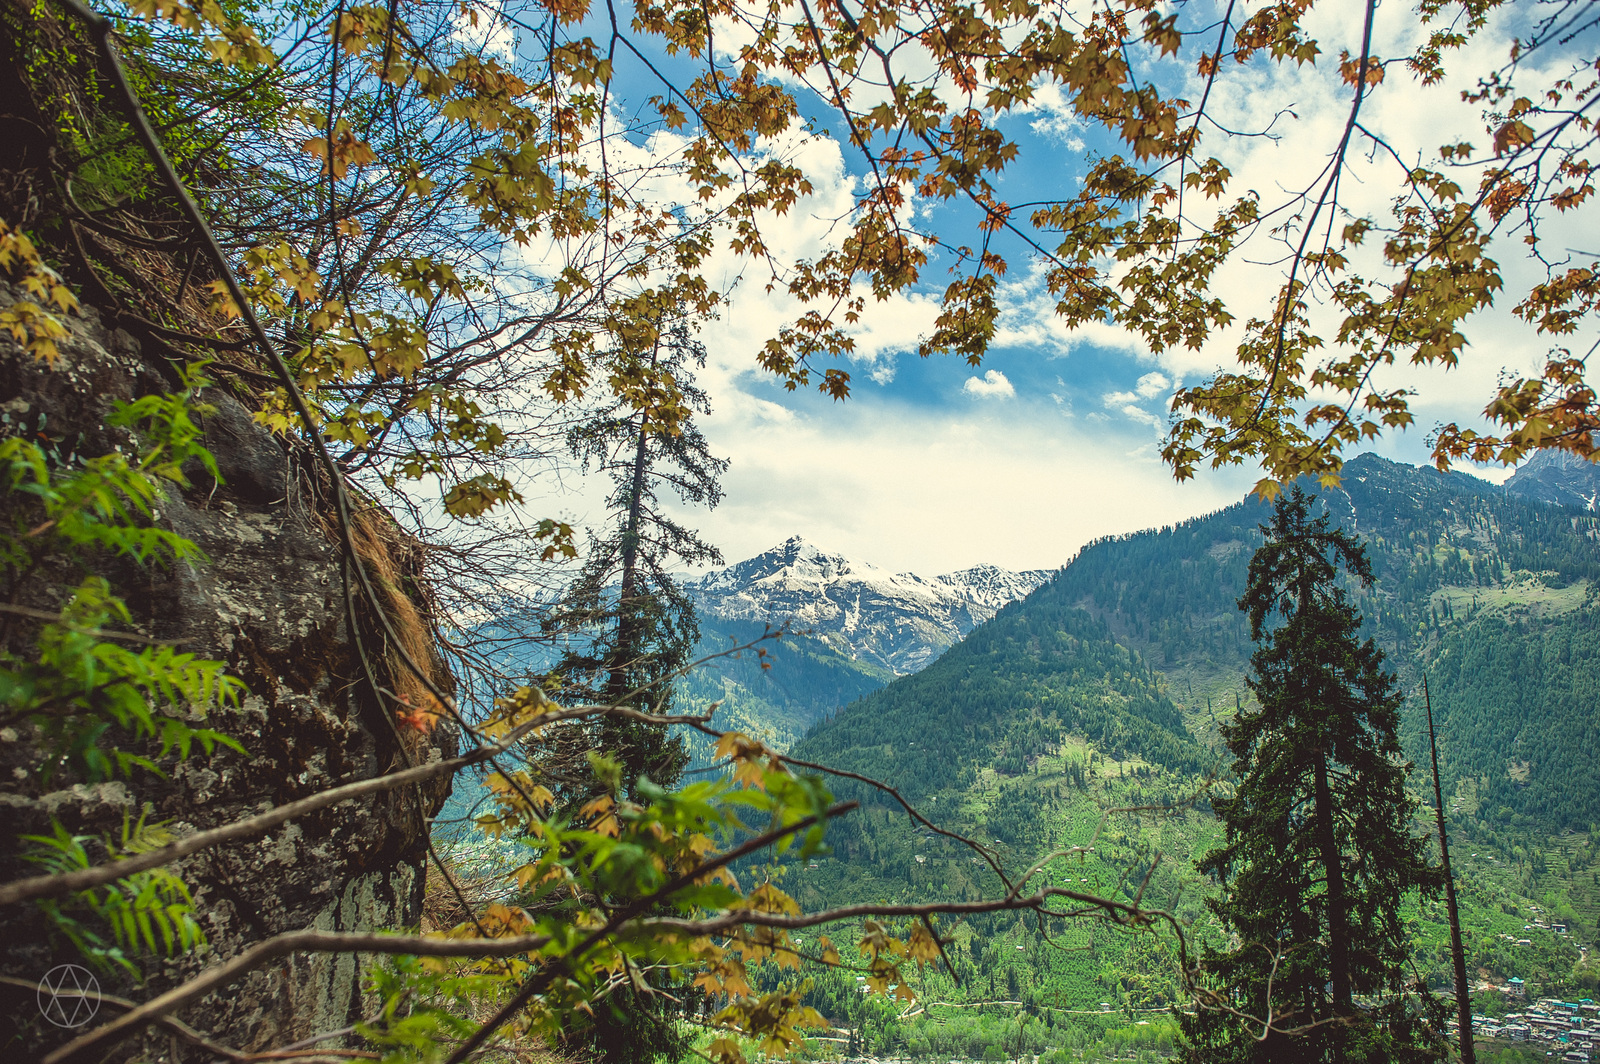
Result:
[
  {"x": 900, "y": 621},
  {"x": 268, "y": 601},
  {"x": 1560, "y": 478}
]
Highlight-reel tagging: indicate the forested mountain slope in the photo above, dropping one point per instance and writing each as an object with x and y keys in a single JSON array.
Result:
[
  {"x": 1173, "y": 590},
  {"x": 1099, "y": 691},
  {"x": 1020, "y": 736},
  {"x": 1019, "y": 686},
  {"x": 1489, "y": 592},
  {"x": 1121, "y": 664},
  {"x": 1516, "y": 702},
  {"x": 848, "y": 628}
]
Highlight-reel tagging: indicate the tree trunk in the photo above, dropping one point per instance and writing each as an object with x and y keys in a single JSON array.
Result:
[
  {"x": 1457, "y": 953},
  {"x": 1332, "y": 860},
  {"x": 627, "y": 648},
  {"x": 1333, "y": 867}
]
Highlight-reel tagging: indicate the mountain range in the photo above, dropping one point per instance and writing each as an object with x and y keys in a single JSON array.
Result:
[
  {"x": 1026, "y": 709},
  {"x": 1464, "y": 571},
  {"x": 1461, "y": 564},
  {"x": 898, "y": 621},
  {"x": 847, "y": 628},
  {"x": 1558, "y": 477}
]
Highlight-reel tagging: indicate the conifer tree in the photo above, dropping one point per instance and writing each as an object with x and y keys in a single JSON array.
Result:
[
  {"x": 635, "y": 625},
  {"x": 633, "y": 629},
  {"x": 1318, "y": 852}
]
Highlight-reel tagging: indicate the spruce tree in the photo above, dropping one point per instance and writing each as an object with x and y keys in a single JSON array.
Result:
[
  {"x": 1318, "y": 852},
  {"x": 632, "y": 626},
  {"x": 631, "y": 629}
]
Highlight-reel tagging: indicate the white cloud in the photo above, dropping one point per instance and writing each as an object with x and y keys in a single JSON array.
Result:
[
  {"x": 992, "y": 385},
  {"x": 1152, "y": 385},
  {"x": 483, "y": 27},
  {"x": 1057, "y": 120},
  {"x": 769, "y": 412},
  {"x": 1128, "y": 403},
  {"x": 1123, "y": 403},
  {"x": 1028, "y": 320},
  {"x": 858, "y": 476},
  {"x": 933, "y": 491}
]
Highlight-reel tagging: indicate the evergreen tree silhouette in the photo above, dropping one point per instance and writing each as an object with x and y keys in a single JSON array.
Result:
[{"x": 1318, "y": 852}]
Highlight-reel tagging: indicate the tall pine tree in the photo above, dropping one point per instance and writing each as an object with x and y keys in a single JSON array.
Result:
[
  {"x": 634, "y": 625},
  {"x": 1318, "y": 851},
  {"x": 631, "y": 629}
]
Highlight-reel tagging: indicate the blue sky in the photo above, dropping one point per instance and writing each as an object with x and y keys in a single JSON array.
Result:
[{"x": 933, "y": 465}]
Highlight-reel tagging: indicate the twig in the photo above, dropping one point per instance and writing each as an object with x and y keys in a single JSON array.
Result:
[
  {"x": 98, "y": 633},
  {"x": 357, "y": 942},
  {"x": 156, "y": 1008}
]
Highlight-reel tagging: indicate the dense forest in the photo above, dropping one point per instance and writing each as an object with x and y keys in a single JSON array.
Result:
[
  {"x": 1517, "y": 698},
  {"x": 1016, "y": 688},
  {"x": 1491, "y": 592},
  {"x": 1100, "y": 692}
]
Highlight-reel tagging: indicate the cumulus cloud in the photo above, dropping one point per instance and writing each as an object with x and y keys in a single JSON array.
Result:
[
  {"x": 992, "y": 385},
  {"x": 1118, "y": 401},
  {"x": 1130, "y": 403},
  {"x": 857, "y": 476},
  {"x": 1058, "y": 120},
  {"x": 1152, "y": 385}
]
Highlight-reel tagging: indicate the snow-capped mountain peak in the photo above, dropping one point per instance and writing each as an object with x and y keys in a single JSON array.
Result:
[
  {"x": 794, "y": 561},
  {"x": 901, "y": 621}
]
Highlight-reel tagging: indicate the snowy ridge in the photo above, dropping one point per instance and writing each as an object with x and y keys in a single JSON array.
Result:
[{"x": 898, "y": 620}]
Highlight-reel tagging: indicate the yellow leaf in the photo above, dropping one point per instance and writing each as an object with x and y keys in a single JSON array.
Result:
[
  {"x": 725, "y": 1051},
  {"x": 533, "y": 875},
  {"x": 769, "y": 899},
  {"x": 922, "y": 945}
]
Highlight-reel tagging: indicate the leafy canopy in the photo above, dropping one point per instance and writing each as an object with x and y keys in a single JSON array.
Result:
[{"x": 424, "y": 142}]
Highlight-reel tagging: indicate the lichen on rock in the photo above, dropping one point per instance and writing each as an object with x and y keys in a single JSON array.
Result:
[{"x": 269, "y": 600}]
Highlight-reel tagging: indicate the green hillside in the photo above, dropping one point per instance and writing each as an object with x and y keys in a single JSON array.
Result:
[
  {"x": 1041, "y": 672},
  {"x": 1517, "y": 699},
  {"x": 1491, "y": 594},
  {"x": 1022, "y": 735},
  {"x": 1102, "y": 689},
  {"x": 1094, "y": 989}
]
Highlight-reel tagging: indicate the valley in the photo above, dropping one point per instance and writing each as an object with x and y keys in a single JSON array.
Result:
[
  {"x": 1079, "y": 711},
  {"x": 1084, "y": 716},
  {"x": 429, "y": 433},
  {"x": 850, "y": 628}
]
